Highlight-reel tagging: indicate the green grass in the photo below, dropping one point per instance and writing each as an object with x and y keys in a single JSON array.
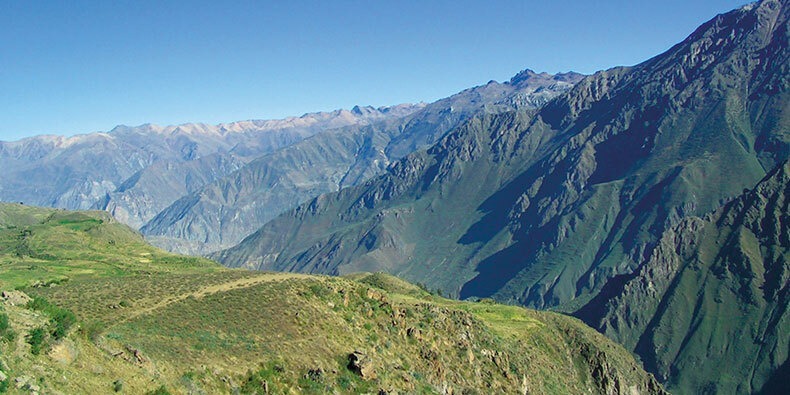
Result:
[{"x": 49, "y": 246}]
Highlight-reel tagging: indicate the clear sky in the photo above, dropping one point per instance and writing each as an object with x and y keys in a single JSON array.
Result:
[{"x": 69, "y": 67}]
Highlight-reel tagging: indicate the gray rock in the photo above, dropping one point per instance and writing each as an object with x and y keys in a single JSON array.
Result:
[
  {"x": 15, "y": 298},
  {"x": 361, "y": 364}
]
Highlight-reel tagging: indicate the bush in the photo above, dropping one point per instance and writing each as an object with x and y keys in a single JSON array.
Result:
[
  {"x": 162, "y": 390},
  {"x": 36, "y": 339},
  {"x": 9, "y": 336},
  {"x": 117, "y": 385},
  {"x": 3, "y": 322},
  {"x": 38, "y": 303},
  {"x": 6, "y": 333},
  {"x": 91, "y": 330},
  {"x": 268, "y": 373},
  {"x": 61, "y": 319}
]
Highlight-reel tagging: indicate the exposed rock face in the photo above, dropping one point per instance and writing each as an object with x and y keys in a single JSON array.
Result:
[{"x": 584, "y": 189}]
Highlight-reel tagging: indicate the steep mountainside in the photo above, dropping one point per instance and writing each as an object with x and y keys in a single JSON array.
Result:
[
  {"x": 713, "y": 297},
  {"x": 86, "y": 171},
  {"x": 224, "y": 212},
  {"x": 147, "y": 192},
  {"x": 546, "y": 209},
  {"x": 112, "y": 314}
]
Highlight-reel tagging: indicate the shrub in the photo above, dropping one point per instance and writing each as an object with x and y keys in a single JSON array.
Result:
[
  {"x": 38, "y": 303},
  {"x": 3, "y": 322},
  {"x": 9, "y": 335},
  {"x": 92, "y": 330},
  {"x": 117, "y": 385},
  {"x": 162, "y": 390},
  {"x": 6, "y": 333},
  {"x": 36, "y": 339},
  {"x": 320, "y": 291},
  {"x": 268, "y": 373},
  {"x": 61, "y": 319}
]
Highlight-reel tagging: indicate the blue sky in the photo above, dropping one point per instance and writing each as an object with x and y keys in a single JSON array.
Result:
[{"x": 83, "y": 66}]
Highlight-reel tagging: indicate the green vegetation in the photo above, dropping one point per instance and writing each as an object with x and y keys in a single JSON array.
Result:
[
  {"x": 36, "y": 338},
  {"x": 45, "y": 247},
  {"x": 61, "y": 319},
  {"x": 3, "y": 323},
  {"x": 161, "y": 390},
  {"x": 737, "y": 255},
  {"x": 191, "y": 326},
  {"x": 7, "y": 334}
]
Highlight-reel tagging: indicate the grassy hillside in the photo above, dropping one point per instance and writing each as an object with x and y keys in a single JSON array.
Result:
[
  {"x": 42, "y": 246},
  {"x": 113, "y": 314}
]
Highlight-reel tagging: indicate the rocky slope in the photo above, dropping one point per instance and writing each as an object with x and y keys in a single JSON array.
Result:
[
  {"x": 225, "y": 211},
  {"x": 111, "y": 170},
  {"x": 713, "y": 297},
  {"x": 122, "y": 316},
  {"x": 548, "y": 208}
]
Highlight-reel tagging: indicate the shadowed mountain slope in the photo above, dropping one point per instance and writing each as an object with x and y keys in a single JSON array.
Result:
[{"x": 712, "y": 298}]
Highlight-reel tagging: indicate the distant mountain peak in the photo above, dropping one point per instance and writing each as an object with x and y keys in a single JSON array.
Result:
[{"x": 528, "y": 77}]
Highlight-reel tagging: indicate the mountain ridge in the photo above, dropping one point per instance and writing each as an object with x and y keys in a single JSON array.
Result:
[{"x": 740, "y": 253}]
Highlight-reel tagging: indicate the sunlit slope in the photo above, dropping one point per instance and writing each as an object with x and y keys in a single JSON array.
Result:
[
  {"x": 42, "y": 245},
  {"x": 143, "y": 319}
]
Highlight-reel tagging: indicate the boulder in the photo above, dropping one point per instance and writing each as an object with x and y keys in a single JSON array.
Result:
[{"x": 361, "y": 364}]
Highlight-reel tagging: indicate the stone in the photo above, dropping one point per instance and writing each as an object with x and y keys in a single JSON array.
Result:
[
  {"x": 361, "y": 364},
  {"x": 16, "y": 298}
]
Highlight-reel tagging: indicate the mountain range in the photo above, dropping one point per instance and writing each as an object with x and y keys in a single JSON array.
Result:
[
  {"x": 225, "y": 211},
  {"x": 648, "y": 201},
  {"x": 111, "y": 171}
]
